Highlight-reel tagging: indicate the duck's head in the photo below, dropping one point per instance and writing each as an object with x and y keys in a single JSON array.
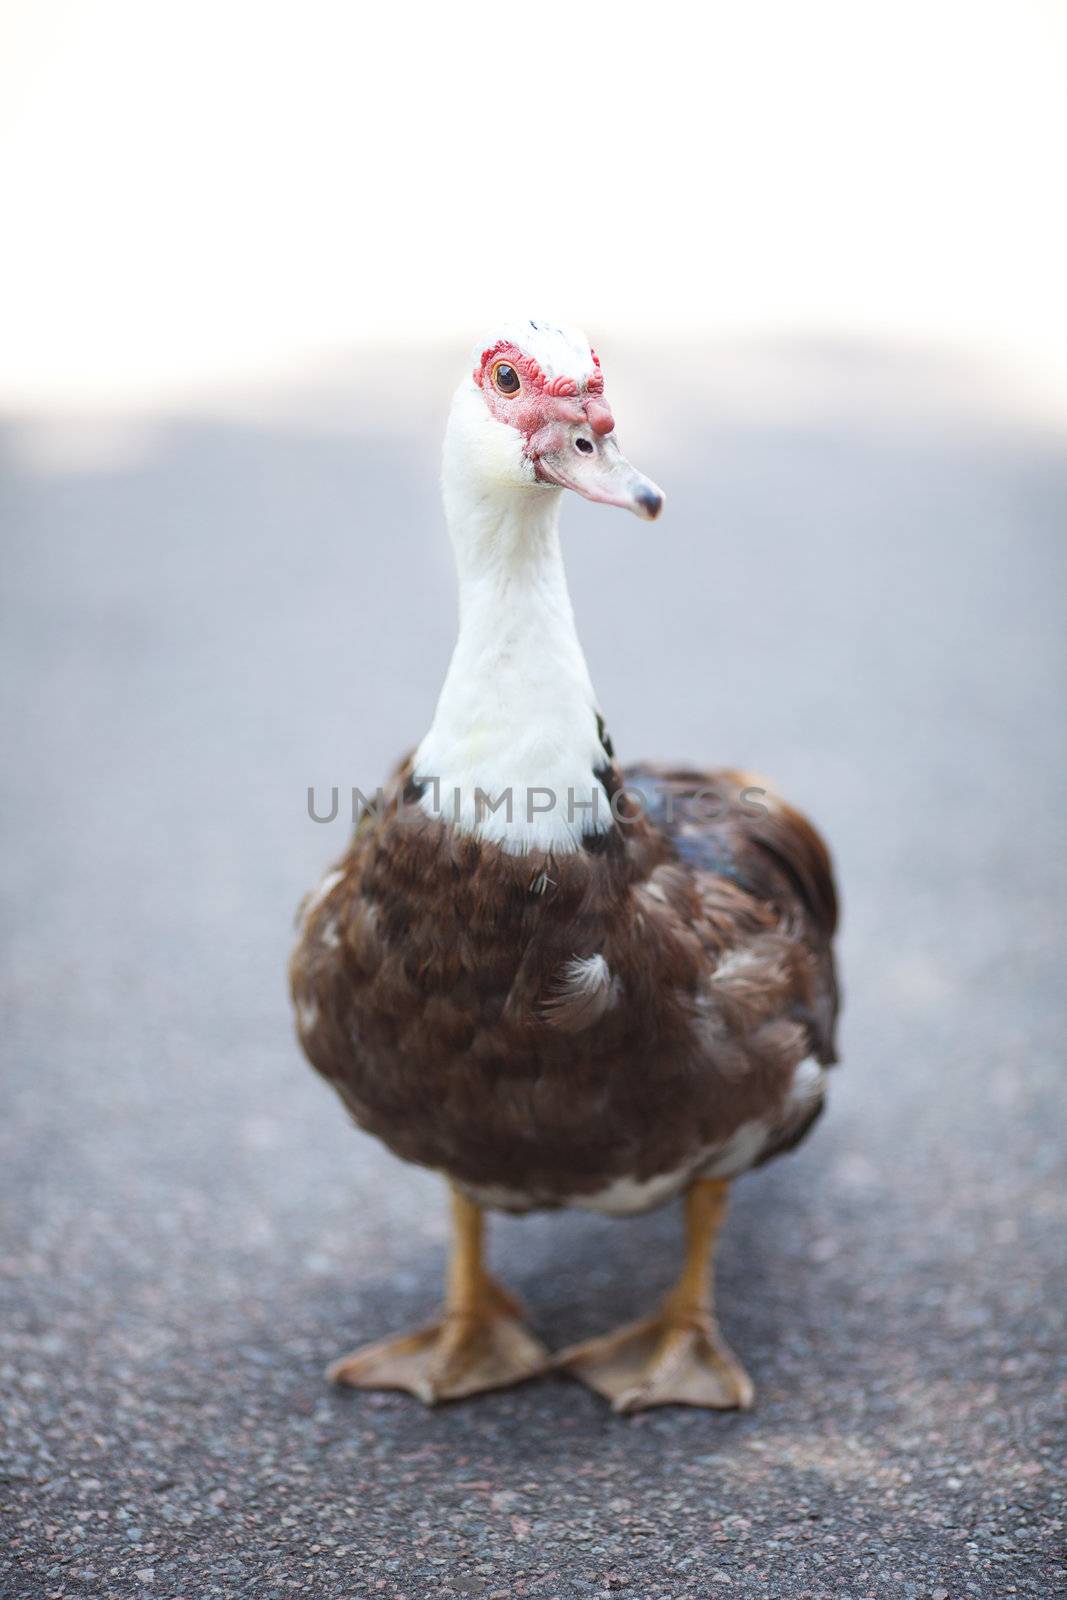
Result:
[{"x": 533, "y": 414}]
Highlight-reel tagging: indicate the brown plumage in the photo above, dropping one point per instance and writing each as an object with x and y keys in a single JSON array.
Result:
[
  {"x": 434, "y": 988},
  {"x": 604, "y": 1012}
]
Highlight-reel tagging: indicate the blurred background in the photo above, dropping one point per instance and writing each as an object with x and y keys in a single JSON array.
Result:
[{"x": 822, "y": 252}]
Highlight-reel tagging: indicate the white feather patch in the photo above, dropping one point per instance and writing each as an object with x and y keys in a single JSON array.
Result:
[
  {"x": 584, "y": 991},
  {"x": 318, "y": 895}
]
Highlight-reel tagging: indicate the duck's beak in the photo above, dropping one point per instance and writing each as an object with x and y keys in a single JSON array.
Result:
[{"x": 584, "y": 456}]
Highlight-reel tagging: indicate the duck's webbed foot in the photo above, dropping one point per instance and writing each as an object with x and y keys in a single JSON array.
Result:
[
  {"x": 478, "y": 1343},
  {"x": 483, "y": 1346},
  {"x": 677, "y": 1357},
  {"x": 662, "y": 1361}
]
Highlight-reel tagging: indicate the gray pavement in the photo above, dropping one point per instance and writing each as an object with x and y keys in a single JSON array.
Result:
[{"x": 190, "y": 1229}]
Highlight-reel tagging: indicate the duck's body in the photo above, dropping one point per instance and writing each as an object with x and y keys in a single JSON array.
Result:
[
  {"x": 556, "y": 983},
  {"x": 589, "y": 1029}
]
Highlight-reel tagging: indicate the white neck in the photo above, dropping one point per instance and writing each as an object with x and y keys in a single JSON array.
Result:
[{"x": 517, "y": 713}]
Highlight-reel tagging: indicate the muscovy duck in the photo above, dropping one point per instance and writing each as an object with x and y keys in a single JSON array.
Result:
[{"x": 556, "y": 981}]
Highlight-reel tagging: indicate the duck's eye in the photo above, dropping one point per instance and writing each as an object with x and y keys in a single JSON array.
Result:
[{"x": 505, "y": 378}]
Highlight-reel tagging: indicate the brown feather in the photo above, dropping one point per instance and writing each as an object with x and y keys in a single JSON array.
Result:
[{"x": 550, "y": 1025}]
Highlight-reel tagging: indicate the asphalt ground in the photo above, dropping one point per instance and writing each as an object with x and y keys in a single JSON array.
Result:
[{"x": 868, "y": 609}]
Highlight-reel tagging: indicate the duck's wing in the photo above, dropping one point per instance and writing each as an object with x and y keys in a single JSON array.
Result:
[{"x": 731, "y": 825}]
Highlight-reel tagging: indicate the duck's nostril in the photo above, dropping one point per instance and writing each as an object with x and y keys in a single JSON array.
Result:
[{"x": 584, "y": 445}]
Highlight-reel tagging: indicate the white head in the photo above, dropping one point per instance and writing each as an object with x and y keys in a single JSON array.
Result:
[{"x": 532, "y": 416}]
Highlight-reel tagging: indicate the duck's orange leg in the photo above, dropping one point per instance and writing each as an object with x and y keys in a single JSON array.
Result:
[
  {"x": 678, "y": 1356},
  {"x": 479, "y": 1342}
]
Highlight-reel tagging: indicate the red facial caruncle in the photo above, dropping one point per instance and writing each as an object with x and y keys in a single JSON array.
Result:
[
  {"x": 566, "y": 427},
  {"x": 518, "y": 392}
]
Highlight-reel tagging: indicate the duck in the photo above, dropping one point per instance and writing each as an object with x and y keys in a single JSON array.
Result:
[{"x": 556, "y": 981}]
